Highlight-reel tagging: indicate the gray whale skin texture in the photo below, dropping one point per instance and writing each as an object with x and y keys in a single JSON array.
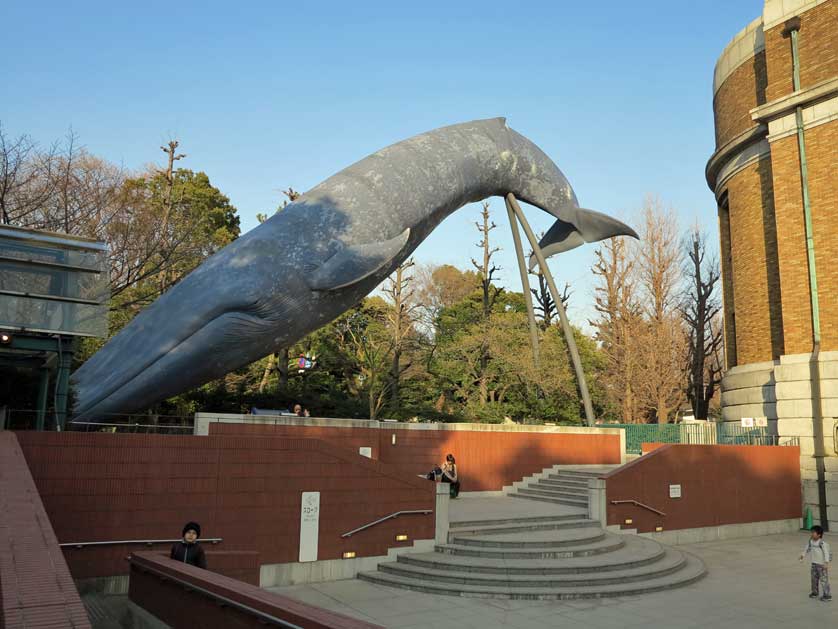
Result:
[{"x": 320, "y": 256}]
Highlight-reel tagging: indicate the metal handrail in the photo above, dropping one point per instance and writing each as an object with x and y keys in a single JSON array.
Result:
[
  {"x": 639, "y": 504},
  {"x": 387, "y": 517},
  {"x": 265, "y": 617},
  {"x": 147, "y": 542},
  {"x": 127, "y": 425}
]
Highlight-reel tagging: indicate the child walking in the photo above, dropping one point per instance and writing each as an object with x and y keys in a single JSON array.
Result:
[{"x": 820, "y": 556}]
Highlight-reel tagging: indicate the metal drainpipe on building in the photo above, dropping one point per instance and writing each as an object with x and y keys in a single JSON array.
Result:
[{"x": 792, "y": 29}]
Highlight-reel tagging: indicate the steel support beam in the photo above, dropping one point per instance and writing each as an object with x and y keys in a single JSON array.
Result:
[{"x": 557, "y": 298}]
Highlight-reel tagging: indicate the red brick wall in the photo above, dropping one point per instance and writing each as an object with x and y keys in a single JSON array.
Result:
[
  {"x": 816, "y": 46},
  {"x": 754, "y": 277},
  {"x": 153, "y": 587},
  {"x": 719, "y": 485},
  {"x": 767, "y": 271},
  {"x": 822, "y": 160},
  {"x": 245, "y": 489},
  {"x": 345, "y": 438},
  {"x": 486, "y": 460},
  {"x": 740, "y": 92},
  {"x": 794, "y": 267},
  {"x": 726, "y": 262},
  {"x": 36, "y": 589}
]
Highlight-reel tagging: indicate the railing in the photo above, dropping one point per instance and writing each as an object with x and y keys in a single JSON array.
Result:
[
  {"x": 128, "y": 427},
  {"x": 264, "y": 617},
  {"x": 147, "y": 542},
  {"x": 638, "y": 504},
  {"x": 27, "y": 419},
  {"x": 709, "y": 433},
  {"x": 387, "y": 517}
]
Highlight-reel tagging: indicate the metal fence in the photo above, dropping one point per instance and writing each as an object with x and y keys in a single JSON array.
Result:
[
  {"x": 723, "y": 433},
  {"x": 26, "y": 419}
]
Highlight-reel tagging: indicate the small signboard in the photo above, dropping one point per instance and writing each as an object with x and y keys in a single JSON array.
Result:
[
  {"x": 675, "y": 491},
  {"x": 761, "y": 422},
  {"x": 309, "y": 525},
  {"x": 365, "y": 451},
  {"x": 747, "y": 422}
]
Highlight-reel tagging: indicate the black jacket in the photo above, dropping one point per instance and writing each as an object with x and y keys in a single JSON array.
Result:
[{"x": 192, "y": 554}]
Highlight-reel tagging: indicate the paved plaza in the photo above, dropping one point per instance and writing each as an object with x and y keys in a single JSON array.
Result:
[{"x": 750, "y": 583}]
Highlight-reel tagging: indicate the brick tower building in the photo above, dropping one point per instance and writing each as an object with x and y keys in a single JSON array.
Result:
[{"x": 775, "y": 177}]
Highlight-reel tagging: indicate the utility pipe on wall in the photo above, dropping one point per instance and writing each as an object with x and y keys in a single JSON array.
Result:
[{"x": 792, "y": 29}]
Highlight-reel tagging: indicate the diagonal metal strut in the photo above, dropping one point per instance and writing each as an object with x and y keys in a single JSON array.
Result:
[{"x": 513, "y": 207}]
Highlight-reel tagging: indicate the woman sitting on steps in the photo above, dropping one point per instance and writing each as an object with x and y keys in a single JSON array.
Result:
[{"x": 449, "y": 475}]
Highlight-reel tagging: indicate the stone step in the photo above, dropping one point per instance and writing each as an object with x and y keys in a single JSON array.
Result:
[
  {"x": 606, "y": 545},
  {"x": 536, "y": 539},
  {"x": 573, "y": 480},
  {"x": 552, "y": 492},
  {"x": 579, "y": 474},
  {"x": 582, "y": 504},
  {"x": 636, "y": 551},
  {"x": 672, "y": 561},
  {"x": 692, "y": 570},
  {"x": 517, "y": 520},
  {"x": 576, "y": 478},
  {"x": 537, "y": 524},
  {"x": 552, "y": 482}
]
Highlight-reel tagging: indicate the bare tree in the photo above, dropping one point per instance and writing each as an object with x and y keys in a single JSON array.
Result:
[
  {"x": 486, "y": 270},
  {"x": 618, "y": 324},
  {"x": 701, "y": 311},
  {"x": 659, "y": 267},
  {"x": 544, "y": 305},
  {"x": 400, "y": 318},
  {"x": 16, "y": 175},
  {"x": 168, "y": 200}
]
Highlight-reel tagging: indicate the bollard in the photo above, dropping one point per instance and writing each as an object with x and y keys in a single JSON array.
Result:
[{"x": 443, "y": 497}]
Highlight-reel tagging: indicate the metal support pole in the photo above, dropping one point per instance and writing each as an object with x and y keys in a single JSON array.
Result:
[
  {"x": 65, "y": 358},
  {"x": 43, "y": 390},
  {"x": 568, "y": 331},
  {"x": 525, "y": 282}
]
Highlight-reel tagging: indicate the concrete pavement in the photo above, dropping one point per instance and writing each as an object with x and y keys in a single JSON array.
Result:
[{"x": 752, "y": 582}]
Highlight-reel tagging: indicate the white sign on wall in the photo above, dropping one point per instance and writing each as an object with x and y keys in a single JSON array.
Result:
[
  {"x": 309, "y": 525},
  {"x": 747, "y": 422},
  {"x": 365, "y": 451},
  {"x": 761, "y": 422},
  {"x": 675, "y": 491}
]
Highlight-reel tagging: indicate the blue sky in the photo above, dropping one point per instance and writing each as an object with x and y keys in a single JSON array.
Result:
[{"x": 267, "y": 95}]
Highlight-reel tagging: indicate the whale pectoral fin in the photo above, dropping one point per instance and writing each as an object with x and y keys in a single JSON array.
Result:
[{"x": 355, "y": 263}]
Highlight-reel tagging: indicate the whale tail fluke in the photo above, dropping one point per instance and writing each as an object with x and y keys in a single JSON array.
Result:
[{"x": 587, "y": 226}]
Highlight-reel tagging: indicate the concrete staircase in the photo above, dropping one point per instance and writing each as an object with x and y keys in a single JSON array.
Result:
[
  {"x": 559, "y": 485},
  {"x": 555, "y": 552},
  {"x": 562, "y": 556}
]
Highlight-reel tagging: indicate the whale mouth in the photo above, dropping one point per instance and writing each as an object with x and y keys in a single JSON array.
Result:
[{"x": 226, "y": 330}]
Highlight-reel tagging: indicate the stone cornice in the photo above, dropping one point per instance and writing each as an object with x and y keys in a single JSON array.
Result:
[
  {"x": 776, "y": 12},
  {"x": 781, "y": 106},
  {"x": 725, "y": 152}
]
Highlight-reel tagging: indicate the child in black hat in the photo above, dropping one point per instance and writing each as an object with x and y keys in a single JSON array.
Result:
[{"x": 188, "y": 550}]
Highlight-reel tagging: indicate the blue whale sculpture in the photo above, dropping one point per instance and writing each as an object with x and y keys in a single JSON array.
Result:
[{"x": 320, "y": 256}]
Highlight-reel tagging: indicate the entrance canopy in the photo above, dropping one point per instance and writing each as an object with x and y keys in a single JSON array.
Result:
[{"x": 52, "y": 283}]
